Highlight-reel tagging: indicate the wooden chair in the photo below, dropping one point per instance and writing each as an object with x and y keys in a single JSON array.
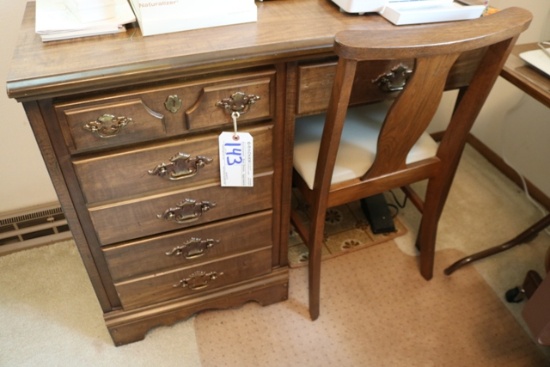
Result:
[{"x": 339, "y": 159}]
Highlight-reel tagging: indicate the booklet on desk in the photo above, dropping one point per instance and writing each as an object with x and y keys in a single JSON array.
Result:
[
  {"x": 160, "y": 16},
  {"x": 538, "y": 59},
  {"x": 56, "y": 21},
  {"x": 401, "y": 12}
]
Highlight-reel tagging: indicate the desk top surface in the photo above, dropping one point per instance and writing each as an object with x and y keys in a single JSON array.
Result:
[
  {"x": 531, "y": 81},
  {"x": 284, "y": 29}
]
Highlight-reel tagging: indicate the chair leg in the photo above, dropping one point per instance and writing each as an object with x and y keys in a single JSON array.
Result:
[
  {"x": 314, "y": 281},
  {"x": 315, "y": 254},
  {"x": 436, "y": 195},
  {"x": 425, "y": 242}
]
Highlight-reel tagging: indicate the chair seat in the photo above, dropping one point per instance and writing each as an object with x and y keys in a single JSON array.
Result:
[{"x": 359, "y": 139}]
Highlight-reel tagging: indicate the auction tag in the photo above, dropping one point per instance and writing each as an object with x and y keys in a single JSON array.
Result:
[{"x": 236, "y": 159}]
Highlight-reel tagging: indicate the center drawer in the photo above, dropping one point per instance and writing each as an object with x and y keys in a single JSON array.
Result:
[
  {"x": 315, "y": 85},
  {"x": 177, "y": 164},
  {"x": 315, "y": 81},
  {"x": 150, "y": 215}
]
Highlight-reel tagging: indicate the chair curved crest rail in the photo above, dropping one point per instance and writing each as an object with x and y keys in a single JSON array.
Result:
[{"x": 354, "y": 152}]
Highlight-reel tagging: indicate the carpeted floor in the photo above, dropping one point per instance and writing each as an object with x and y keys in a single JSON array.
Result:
[
  {"x": 376, "y": 310},
  {"x": 49, "y": 315}
]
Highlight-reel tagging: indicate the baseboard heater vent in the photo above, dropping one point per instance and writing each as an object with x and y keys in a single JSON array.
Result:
[{"x": 32, "y": 228}]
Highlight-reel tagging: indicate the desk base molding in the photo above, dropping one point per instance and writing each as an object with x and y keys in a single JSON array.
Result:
[{"x": 129, "y": 327}]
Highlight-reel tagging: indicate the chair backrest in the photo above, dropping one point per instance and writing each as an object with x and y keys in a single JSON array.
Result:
[{"x": 435, "y": 49}]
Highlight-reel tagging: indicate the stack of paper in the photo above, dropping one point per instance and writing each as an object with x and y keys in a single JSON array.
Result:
[
  {"x": 65, "y": 19},
  {"x": 416, "y": 11},
  {"x": 164, "y": 16},
  {"x": 92, "y": 11}
]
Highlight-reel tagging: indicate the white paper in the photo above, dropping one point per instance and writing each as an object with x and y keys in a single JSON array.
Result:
[
  {"x": 165, "y": 16},
  {"x": 538, "y": 59},
  {"x": 54, "y": 16},
  {"x": 418, "y": 12}
]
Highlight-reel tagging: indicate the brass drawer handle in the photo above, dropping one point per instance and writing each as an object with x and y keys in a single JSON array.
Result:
[
  {"x": 394, "y": 80},
  {"x": 181, "y": 166},
  {"x": 238, "y": 102},
  {"x": 193, "y": 248},
  {"x": 198, "y": 280},
  {"x": 188, "y": 210},
  {"x": 107, "y": 126}
]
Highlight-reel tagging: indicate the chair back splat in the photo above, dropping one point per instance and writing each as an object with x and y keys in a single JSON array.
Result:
[{"x": 352, "y": 152}]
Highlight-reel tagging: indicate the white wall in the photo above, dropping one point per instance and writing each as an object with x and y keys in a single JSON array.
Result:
[
  {"x": 511, "y": 123},
  {"x": 24, "y": 181},
  {"x": 515, "y": 125}
]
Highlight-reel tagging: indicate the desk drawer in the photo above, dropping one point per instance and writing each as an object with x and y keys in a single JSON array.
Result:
[
  {"x": 194, "y": 280},
  {"x": 134, "y": 172},
  {"x": 189, "y": 247},
  {"x": 152, "y": 113},
  {"x": 315, "y": 85},
  {"x": 315, "y": 81},
  {"x": 140, "y": 217}
]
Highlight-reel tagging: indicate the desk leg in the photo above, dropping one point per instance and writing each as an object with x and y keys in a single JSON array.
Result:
[{"x": 526, "y": 236}]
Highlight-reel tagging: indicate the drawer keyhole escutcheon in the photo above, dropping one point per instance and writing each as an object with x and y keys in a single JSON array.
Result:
[
  {"x": 188, "y": 210},
  {"x": 181, "y": 166},
  {"x": 107, "y": 126},
  {"x": 238, "y": 102},
  {"x": 394, "y": 80},
  {"x": 198, "y": 280},
  {"x": 173, "y": 103},
  {"x": 193, "y": 248}
]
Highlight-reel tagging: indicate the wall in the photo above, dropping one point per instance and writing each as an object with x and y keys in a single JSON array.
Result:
[
  {"x": 511, "y": 124},
  {"x": 24, "y": 181}
]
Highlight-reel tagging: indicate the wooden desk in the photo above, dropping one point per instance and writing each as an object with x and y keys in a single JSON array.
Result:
[
  {"x": 121, "y": 120},
  {"x": 537, "y": 85},
  {"x": 531, "y": 81}
]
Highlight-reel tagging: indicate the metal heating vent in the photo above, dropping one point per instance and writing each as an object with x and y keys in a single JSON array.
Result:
[{"x": 33, "y": 228}]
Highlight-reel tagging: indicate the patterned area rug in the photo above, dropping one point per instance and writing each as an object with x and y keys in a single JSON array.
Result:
[{"x": 347, "y": 229}]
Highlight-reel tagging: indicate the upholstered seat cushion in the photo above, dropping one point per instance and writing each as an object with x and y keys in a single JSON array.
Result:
[{"x": 357, "y": 147}]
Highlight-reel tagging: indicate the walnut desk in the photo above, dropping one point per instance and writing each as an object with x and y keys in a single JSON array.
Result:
[{"x": 128, "y": 128}]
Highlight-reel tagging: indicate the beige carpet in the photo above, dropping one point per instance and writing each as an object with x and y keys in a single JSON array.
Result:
[
  {"x": 376, "y": 310},
  {"x": 49, "y": 317}
]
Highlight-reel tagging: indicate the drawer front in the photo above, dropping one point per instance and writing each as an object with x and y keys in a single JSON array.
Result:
[
  {"x": 148, "y": 216},
  {"x": 315, "y": 81},
  {"x": 195, "y": 280},
  {"x": 315, "y": 85},
  {"x": 193, "y": 246},
  {"x": 95, "y": 125},
  {"x": 174, "y": 165},
  {"x": 153, "y": 113}
]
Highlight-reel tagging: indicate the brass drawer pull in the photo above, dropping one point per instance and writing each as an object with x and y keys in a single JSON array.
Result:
[
  {"x": 198, "y": 280},
  {"x": 238, "y": 102},
  {"x": 193, "y": 248},
  {"x": 107, "y": 126},
  {"x": 394, "y": 80},
  {"x": 188, "y": 210},
  {"x": 181, "y": 166}
]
